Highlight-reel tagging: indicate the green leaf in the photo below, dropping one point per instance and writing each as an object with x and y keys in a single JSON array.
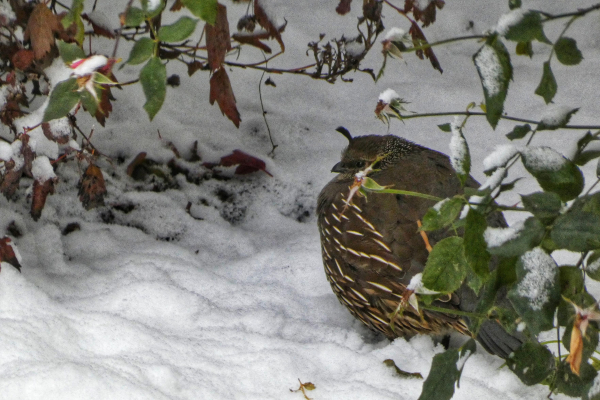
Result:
[
  {"x": 74, "y": 17},
  {"x": 572, "y": 385},
  {"x": 152, "y": 12},
  {"x": 495, "y": 72},
  {"x": 553, "y": 172},
  {"x": 63, "y": 98},
  {"x": 445, "y": 372},
  {"x": 524, "y": 49},
  {"x": 592, "y": 268},
  {"x": 527, "y": 29},
  {"x": 567, "y": 52},
  {"x": 205, "y": 9},
  {"x": 512, "y": 4},
  {"x": 141, "y": 51},
  {"x": 529, "y": 236},
  {"x": 586, "y": 156},
  {"x": 89, "y": 102},
  {"x": 577, "y": 231},
  {"x": 544, "y": 205},
  {"x": 519, "y": 132},
  {"x": 69, "y": 52},
  {"x": 460, "y": 156},
  {"x": 476, "y": 252},
  {"x": 446, "y": 266},
  {"x": 445, "y": 127},
  {"x": 532, "y": 363},
  {"x": 135, "y": 17},
  {"x": 547, "y": 87},
  {"x": 178, "y": 31},
  {"x": 153, "y": 78},
  {"x": 442, "y": 214},
  {"x": 536, "y": 294}
]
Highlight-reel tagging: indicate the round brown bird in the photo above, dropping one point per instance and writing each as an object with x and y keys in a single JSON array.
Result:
[{"x": 372, "y": 248}]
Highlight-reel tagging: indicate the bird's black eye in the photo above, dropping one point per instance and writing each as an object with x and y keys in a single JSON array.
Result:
[{"x": 359, "y": 164}]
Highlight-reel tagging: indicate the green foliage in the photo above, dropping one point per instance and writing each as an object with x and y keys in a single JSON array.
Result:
[
  {"x": 153, "y": 78},
  {"x": 532, "y": 363},
  {"x": 69, "y": 52},
  {"x": 446, "y": 266},
  {"x": 519, "y": 132},
  {"x": 547, "y": 87},
  {"x": 205, "y": 9},
  {"x": 527, "y": 29},
  {"x": 495, "y": 71},
  {"x": 476, "y": 254},
  {"x": 62, "y": 99},
  {"x": 141, "y": 51},
  {"x": 178, "y": 31},
  {"x": 567, "y": 52},
  {"x": 442, "y": 216},
  {"x": 445, "y": 372}
]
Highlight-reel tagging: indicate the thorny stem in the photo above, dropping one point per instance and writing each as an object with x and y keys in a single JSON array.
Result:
[
  {"x": 264, "y": 114},
  {"x": 114, "y": 53},
  {"x": 456, "y": 39}
]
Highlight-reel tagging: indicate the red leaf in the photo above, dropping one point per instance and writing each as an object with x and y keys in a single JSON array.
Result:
[
  {"x": 41, "y": 190},
  {"x": 344, "y": 7},
  {"x": 246, "y": 163},
  {"x": 426, "y": 15},
  {"x": 40, "y": 29},
  {"x": 220, "y": 90},
  {"x": 194, "y": 66},
  {"x": 92, "y": 189},
  {"x": 7, "y": 253},
  {"x": 263, "y": 19},
  {"x": 419, "y": 39},
  {"x": 217, "y": 39},
  {"x": 60, "y": 139},
  {"x": 23, "y": 59},
  {"x": 99, "y": 30},
  {"x": 252, "y": 40},
  {"x": 10, "y": 179}
]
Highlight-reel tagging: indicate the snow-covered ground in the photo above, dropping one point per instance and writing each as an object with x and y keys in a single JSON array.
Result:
[{"x": 229, "y": 300}]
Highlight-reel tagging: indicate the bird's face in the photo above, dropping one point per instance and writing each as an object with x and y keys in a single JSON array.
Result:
[{"x": 370, "y": 151}]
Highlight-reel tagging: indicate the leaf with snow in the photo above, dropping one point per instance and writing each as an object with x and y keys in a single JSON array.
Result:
[
  {"x": 522, "y": 26},
  {"x": 446, "y": 266},
  {"x": 222, "y": 93},
  {"x": 536, "y": 293},
  {"x": 69, "y": 52},
  {"x": 153, "y": 78},
  {"x": 500, "y": 157},
  {"x": 556, "y": 117},
  {"x": 592, "y": 268},
  {"x": 268, "y": 21},
  {"x": 495, "y": 72},
  {"x": 577, "y": 230},
  {"x": 43, "y": 184},
  {"x": 445, "y": 372},
  {"x": 442, "y": 214},
  {"x": 424, "y": 11},
  {"x": 515, "y": 240},
  {"x": 205, "y": 9},
  {"x": 532, "y": 363},
  {"x": 460, "y": 157},
  {"x": 553, "y": 172},
  {"x": 567, "y": 52},
  {"x": 547, "y": 87}
]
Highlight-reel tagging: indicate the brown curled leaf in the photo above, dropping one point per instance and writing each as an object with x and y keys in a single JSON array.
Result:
[
  {"x": 246, "y": 164},
  {"x": 40, "y": 30},
  {"x": 217, "y": 39},
  {"x": 41, "y": 190},
  {"x": 222, "y": 93},
  {"x": 92, "y": 188},
  {"x": 7, "y": 253},
  {"x": 266, "y": 22}
]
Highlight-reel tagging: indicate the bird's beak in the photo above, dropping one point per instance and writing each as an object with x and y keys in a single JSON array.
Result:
[{"x": 337, "y": 168}]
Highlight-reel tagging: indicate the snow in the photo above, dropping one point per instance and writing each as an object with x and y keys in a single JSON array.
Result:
[
  {"x": 229, "y": 300},
  {"x": 417, "y": 286},
  {"x": 6, "y": 151},
  {"x": 494, "y": 180},
  {"x": 489, "y": 67},
  {"x": 354, "y": 48},
  {"x": 540, "y": 274},
  {"x": 460, "y": 363},
  {"x": 83, "y": 67},
  {"x": 459, "y": 152},
  {"x": 495, "y": 237},
  {"x": 595, "y": 388},
  {"x": 512, "y": 18},
  {"x": 394, "y": 34},
  {"x": 499, "y": 157},
  {"x": 542, "y": 158},
  {"x": 556, "y": 115},
  {"x": 388, "y": 95},
  {"x": 41, "y": 169}
]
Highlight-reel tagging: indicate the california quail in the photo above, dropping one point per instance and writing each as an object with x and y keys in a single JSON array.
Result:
[{"x": 371, "y": 247}]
